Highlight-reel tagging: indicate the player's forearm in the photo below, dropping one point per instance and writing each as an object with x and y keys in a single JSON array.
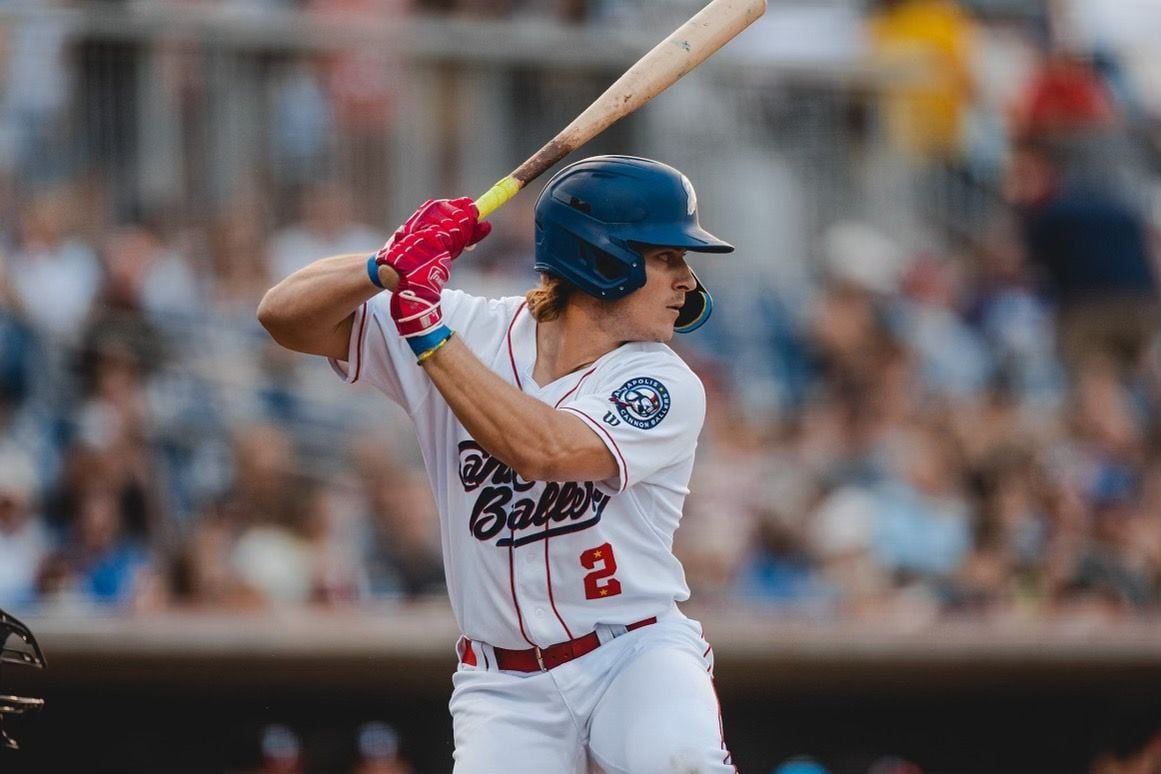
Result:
[
  {"x": 311, "y": 310},
  {"x": 524, "y": 433}
]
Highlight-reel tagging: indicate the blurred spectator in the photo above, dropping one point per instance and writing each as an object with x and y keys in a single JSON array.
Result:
[
  {"x": 841, "y": 536},
  {"x": 923, "y": 519},
  {"x": 727, "y": 498},
  {"x": 952, "y": 360},
  {"x": 18, "y": 353},
  {"x": 203, "y": 575},
  {"x": 1065, "y": 101},
  {"x": 1094, "y": 252},
  {"x": 148, "y": 276},
  {"x": 1017, "y": 323},
  {"x": 360, "y": 80},
  {"x": 778, "y": 567},
  {"x": 860, "y": 255},
  {"x": 330, "y": 527},
  {"x": 239, "y": 259},
  {"x": 852, "y": 344},
  {"x": 283, "y": 537},
  {"x": 55, "y": 277},
  {"x": 274, "y": 560},
  {"x": 223, "y": 341},
  {"x": 361, "y": 84},
  {"x": 264, "y": 475},
  {"x": 100, "y": 563},
  {"x": 1103, "y": 465},
  {"x": 122, "y": 346},
  {"x": 378, "y": 750},
  {"x": 326, "y": 227},
  {"x": 303, "y": 126},
  {"x": 925, "y": 47},
  {"x": 37, "y": 86},
  {"x": 800, "y": 765},
  {"x": 24, "y": 539},
  {"x": 281, "y": 751},
  {"x": 403, "y": 556},
  {"x": 271, "y": 553},
  {"x": 1010, "y": 536},
  {"x": 112, "y": 423}
]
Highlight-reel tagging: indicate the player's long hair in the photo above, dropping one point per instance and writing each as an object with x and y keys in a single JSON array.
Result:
[{"x": 546, "y": 302}]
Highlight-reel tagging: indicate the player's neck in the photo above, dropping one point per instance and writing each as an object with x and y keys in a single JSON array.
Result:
[{"x": 568, "y": 343}]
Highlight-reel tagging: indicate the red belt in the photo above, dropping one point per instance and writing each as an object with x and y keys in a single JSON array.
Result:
[{"x": 542, "y": 659}]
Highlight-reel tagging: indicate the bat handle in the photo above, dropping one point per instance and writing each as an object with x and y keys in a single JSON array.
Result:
[{"x": 497, "y": 196}]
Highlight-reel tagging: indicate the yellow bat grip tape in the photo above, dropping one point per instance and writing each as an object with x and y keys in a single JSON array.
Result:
[{"x": 497, "y": 195}]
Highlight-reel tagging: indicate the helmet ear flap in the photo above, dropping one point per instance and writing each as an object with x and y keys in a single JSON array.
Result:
[{"x": 698, "y": 307}]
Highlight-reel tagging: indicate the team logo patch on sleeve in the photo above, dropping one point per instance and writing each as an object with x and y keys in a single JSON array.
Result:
[{"x": 642, "y": 402}]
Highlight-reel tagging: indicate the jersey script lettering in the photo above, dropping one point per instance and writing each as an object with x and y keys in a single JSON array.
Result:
[{"x": 567, "y": 506}]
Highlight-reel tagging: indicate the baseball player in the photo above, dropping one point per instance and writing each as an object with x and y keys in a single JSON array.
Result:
[{"x": 558, "y": 432}]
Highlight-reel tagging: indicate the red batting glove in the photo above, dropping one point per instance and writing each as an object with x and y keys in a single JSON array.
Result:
[
  {"x": 422, "y": 259},
  {"x": 458, "y": 218},
  {"x": 423, "y": 262}
]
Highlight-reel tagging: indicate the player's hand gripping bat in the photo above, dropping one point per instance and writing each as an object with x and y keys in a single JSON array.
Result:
[{"x": 687, "y": 47}]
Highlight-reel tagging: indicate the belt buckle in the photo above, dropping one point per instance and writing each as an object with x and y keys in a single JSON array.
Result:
[{"x": 539, "y": 658}]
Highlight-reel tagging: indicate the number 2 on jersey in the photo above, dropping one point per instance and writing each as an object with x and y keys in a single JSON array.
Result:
[{"x": 603, "y": 564}]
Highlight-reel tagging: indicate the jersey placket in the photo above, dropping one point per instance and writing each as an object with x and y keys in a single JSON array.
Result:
[
  {"x": 534, "y": 578},
  {"x": 531, "y": 587}
]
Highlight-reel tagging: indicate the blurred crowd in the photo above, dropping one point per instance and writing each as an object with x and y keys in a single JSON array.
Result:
[
  {"x": 376, "y": 750},
  {"x": 966, "y": 425},
  {"x": 958, "y": 426}
]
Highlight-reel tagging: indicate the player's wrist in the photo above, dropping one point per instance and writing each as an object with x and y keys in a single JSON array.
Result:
[
  {"x": 373, "y": 271},
  {"x": 427, "y": 344}
]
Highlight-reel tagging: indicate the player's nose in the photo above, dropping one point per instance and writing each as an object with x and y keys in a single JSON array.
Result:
[{"x": 685, "y": 280}]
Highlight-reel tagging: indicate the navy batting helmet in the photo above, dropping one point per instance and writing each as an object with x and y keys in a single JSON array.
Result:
[{"x": 595, "y": 216}]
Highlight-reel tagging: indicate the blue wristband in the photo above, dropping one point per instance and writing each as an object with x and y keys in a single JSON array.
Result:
[
  {"x": 373, "y": 272},
  {"x": 429, "y": 340}
]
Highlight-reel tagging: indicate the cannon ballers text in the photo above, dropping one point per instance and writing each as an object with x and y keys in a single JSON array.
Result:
[{"x": 508, "y": 506}]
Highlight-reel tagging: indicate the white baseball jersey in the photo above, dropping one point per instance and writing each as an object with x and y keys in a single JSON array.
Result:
[{"x": 531, "y": 562}]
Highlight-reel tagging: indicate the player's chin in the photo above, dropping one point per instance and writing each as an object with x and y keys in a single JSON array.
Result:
[{"x": 664, "y": 334}]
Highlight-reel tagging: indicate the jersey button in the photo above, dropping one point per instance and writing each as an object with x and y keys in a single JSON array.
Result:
[{"x": 540, "y": 612}]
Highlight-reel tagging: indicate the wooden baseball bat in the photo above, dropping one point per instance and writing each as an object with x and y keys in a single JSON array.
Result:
[{"x": 687, "y": 47}]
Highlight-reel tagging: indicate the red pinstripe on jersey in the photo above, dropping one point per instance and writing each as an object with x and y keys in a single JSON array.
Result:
[
  {"x": 548, "y": 582},
  {"x": 547, "y": 566},
  {"x": 511, "y": 354},
  {"x": 594, "y": 423},
  {"x": 575, "y": 386},
  {"x": 359, "y": 346},
  {"x": 512, "y": 586}
]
